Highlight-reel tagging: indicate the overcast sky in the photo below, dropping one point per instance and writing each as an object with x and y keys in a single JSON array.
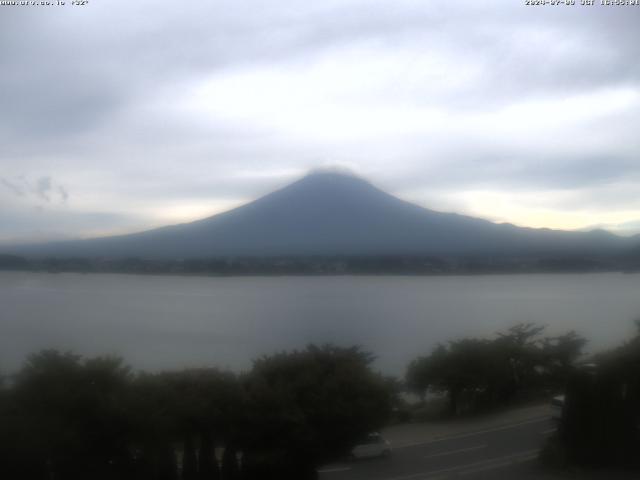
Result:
[{"x": 119, "y": 116}]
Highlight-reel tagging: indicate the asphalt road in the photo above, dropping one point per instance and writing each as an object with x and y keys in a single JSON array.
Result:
[{"x": 506, "y": 451}]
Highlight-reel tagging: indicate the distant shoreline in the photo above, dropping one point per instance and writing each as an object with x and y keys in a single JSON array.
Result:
[{"x": 406, "y": 266}]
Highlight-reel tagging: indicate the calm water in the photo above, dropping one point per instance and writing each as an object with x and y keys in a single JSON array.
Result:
[{"x": 167, "y": 322}]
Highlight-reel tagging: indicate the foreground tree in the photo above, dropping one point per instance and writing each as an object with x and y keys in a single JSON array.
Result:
[
  {"x": 480, "y": 373},
  {"x": 67, "y": 418},
  {"x": 190, "y": 412},
  {"x": 601, "y": 419},
  {"x": 310, "y": 406},
  {"x": 70, "y": 417},
  {"x": 559, "y": 355}
]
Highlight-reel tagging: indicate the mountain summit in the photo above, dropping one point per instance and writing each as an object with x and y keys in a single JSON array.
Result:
[{"x": 329, "y": 213}]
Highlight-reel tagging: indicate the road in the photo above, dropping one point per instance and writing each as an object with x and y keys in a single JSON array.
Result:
[{"x": 495, "y": 451}]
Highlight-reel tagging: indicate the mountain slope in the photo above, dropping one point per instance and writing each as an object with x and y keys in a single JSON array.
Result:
[{"x": 336, "y": 214}]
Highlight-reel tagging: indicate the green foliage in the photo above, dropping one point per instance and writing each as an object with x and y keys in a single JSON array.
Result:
[
  {"x": 72, "y": 418},
  {"x": 559, "y": 355},
  {"x": 69, "y": 417},
  {"x": 313, "y": 405},
  {"x": 601, "y": 420},
  {"x": 480, "y": 373},
  {"x": 194, "y": 409}
]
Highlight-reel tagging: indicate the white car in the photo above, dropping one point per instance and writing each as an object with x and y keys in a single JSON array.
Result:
[{"x": 373, "y": 446}]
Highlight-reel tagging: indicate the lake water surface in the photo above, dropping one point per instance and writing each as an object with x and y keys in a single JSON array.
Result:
[{"x": 159, "y": 322}]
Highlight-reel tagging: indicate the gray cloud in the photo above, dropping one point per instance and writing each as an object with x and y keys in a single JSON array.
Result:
[
  {"x": 64, "y": 195},
  {"x": 518, "y": 171},
  {"x": 93, "y": 96},
  {"x": 12, "y": 187},
  {"x": 43, "y": 188},
  {"x": 36, "y": 224},
  {"x": 51, "y": 88}
]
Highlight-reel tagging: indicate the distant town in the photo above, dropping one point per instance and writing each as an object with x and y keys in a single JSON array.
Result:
[{"x": 327, "y": 265}]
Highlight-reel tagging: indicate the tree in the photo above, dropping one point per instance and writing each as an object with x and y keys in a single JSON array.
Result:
[
  {"x": 152, "y": 409},
  {"x": 426, "y": 373},
  {"x": 194, "y": 408},
  {"x": 463, "y": 370},
  {"x": 480, "y": 373},
  {"x": 559, "y": 355},
  {"x": 310, "y": 406},
  {"x": 601, "y": 420},
  {"x": 71, "y": 416}
]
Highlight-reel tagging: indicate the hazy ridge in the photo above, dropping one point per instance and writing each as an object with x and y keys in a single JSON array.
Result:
[{"x": 332, "y": 214}]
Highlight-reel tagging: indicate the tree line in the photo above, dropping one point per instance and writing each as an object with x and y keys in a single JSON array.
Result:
[
  {"x": 65, "y": 418},
  {"x": 323, "y": 264},
  {"x": 478, "y": 374},
  {"x": 600, "y": 420}
]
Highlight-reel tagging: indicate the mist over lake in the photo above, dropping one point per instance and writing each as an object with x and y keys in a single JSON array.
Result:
[{"x": 158, "y": 322}]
